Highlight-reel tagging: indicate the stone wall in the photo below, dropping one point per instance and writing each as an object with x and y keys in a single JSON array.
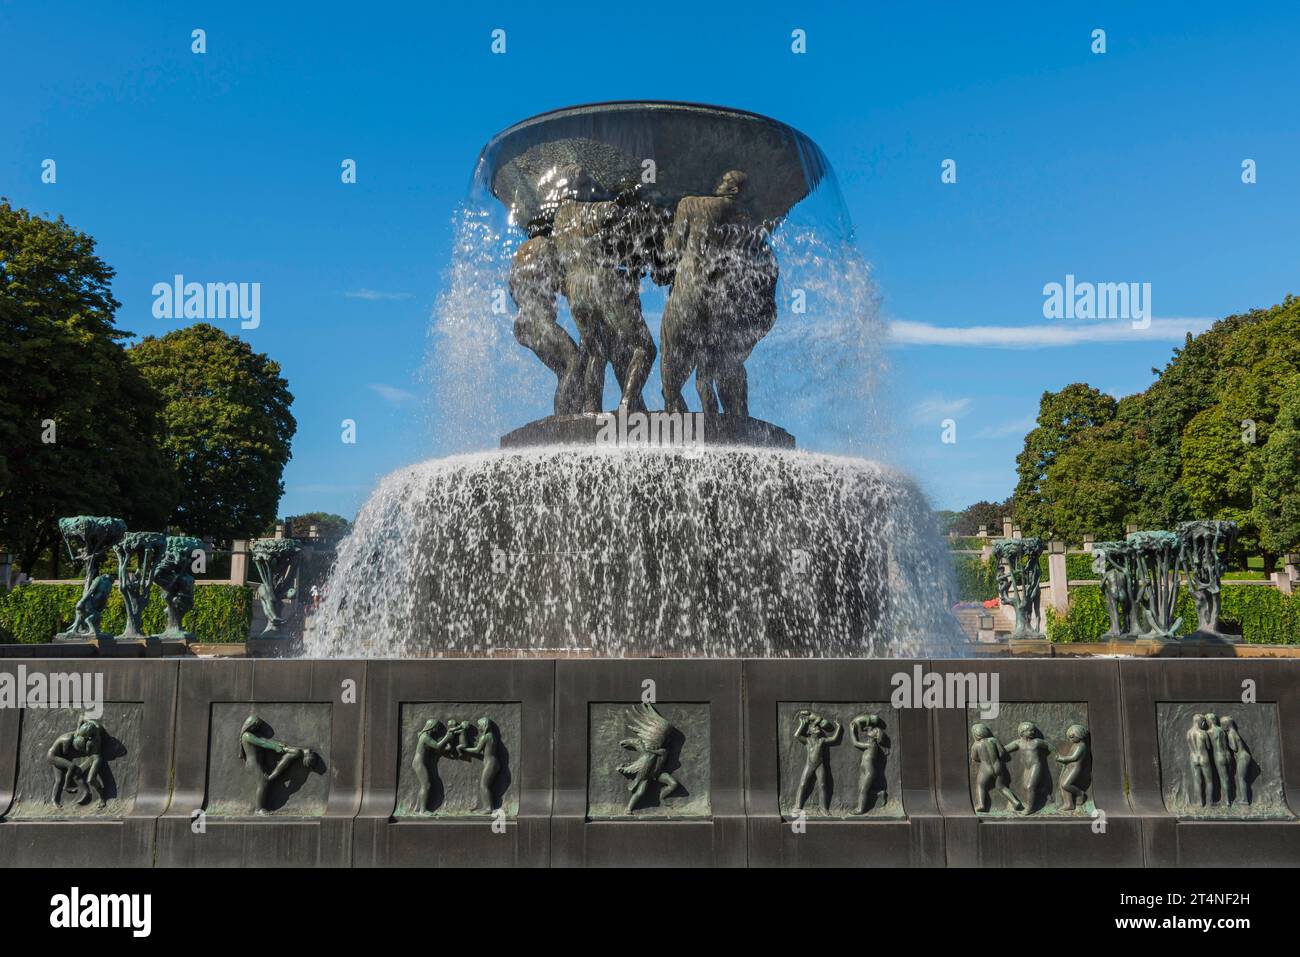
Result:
[{"x": 654, "y": 762}]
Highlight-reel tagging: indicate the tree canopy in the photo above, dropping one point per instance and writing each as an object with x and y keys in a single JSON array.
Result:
[
  {"x": 1213, "y": 437},
  {"x": 227, "y": 427},
  {"x": 79, "y": 425}
]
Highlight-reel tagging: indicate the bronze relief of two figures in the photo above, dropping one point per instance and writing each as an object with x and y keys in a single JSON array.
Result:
[
  {"x": 819, "y": 734},
  {"x": 452, "y": 740}
]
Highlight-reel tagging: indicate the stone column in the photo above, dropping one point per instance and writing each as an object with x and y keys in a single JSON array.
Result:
[
  {"x": 987, "y": 632},
  {"x": 239, "y": 562},
  {"x": 1006, "y": 528},
  {"x": 1058, "y": 573},
  {"x": 1285, "y": 578}
]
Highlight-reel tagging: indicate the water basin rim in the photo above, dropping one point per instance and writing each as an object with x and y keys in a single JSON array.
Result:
[{"x": 615, "y": 105}]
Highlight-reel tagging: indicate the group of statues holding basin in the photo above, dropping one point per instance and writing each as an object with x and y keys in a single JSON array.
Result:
[
  {"x": 594, "y": 249},
  {"x": 1140, "y": 580},
  {"x": 145, "y": 559}
]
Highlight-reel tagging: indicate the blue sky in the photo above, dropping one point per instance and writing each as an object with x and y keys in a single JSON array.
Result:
[{"x": 1118, "y": 167}]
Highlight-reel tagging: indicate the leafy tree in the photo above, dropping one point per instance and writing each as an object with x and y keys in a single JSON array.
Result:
[
  {"x": 1062, "y": 417},
  {"x": 988, "y": 514},
  {"x": 1218, "y": 469},
  {"x": 1241, "y": 367},
  {"x": 328, "y": 525},
  {"x": 946, "y": 519},
  {"x": 1276, "y": 496},
  {"x": 228, "y": 427},
  {"x": 1091, "y": 486},
  {"x": 79, "y": 426}
]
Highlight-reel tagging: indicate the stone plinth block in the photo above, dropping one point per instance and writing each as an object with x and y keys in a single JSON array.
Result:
[
  {"x": 306, "y": 776},
  {"x": 449, "y": 824},
  {"x": 887, "y": 755},
  {"x": 1053, "y": 697},
  {"x": 663, "y": 736},
  {"x": 1261, "y": 700},
  {"x": 119, "y": 735}
]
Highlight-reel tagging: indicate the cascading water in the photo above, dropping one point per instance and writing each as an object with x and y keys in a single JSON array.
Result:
[
  {"x": 726, "y": 552},
  {"x": 696, "y": 550}
]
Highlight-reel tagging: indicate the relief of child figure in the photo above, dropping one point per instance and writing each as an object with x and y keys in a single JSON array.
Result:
[
  {"x": 1076, "y": 773},
  {"x": 1034, "y": 750},
  {"x": 991, "y": 757},
  {"x": 868, "y": 733}
]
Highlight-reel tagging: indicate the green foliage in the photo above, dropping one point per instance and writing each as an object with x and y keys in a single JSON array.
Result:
[
  {"x": 328, "y": 525},
  {"x": 228, "y": 427},
  {"x": 33, "y": 614},
  {"x": 1091, "y": 486},
  {"x": 1078, "y": 565},
  {"x": 1062, "y": 417},
  {"x": 946, "y": 519},
  {"x": 976, "y": 580},
  {"x": 1199, "y": 443},
  {"x": 1275, "y": 504},
  {"x": 79, "y": 426},
  {"x": 1263, "y": 615},
  {"x": 988, "y": 514}
]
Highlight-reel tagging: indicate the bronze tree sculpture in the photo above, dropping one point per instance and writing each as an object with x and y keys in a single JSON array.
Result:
[
  {"x": 276, "y": 562},
  {"x": 174, "y": 574},
  {"x": 137, "y": 554},
  {"x": 88, "y": 539}
]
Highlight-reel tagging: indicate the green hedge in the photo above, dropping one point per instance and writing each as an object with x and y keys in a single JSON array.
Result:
[
  {"x": 32, "y": 614},
  {"x": 1264, "y": 615},
  {"x": 975, "y": 580}
]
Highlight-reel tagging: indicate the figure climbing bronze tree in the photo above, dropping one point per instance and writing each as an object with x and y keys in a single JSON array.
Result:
[
  {"x": 1020, "y": 582},
  {"x": 276, "y": 561},
  {"x": 174, "y": 575},
  {"x": 1202, "y": 545},
  {"x": 88, "y": 539},
  {"x": 1114, "y": 564}
]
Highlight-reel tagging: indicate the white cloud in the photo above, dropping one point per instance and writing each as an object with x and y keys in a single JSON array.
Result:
[
  {"x": 373, "y": 295},
  {"x": 392, "y": 394},
  {"x": 1065, "y": 332},
  {"x": 937, "y": 408}
]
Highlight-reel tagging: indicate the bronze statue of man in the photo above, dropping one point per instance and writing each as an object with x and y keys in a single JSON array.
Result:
[
  {"x": 723, "y": 298},
  {"x": 535, "y": 282},
  {"x": 603, "y": 286}
]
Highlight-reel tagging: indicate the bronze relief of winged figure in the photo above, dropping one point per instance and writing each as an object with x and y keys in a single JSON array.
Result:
[{"x": 650, "y": 742}]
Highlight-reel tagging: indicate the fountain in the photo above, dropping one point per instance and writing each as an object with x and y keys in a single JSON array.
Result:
[
  {"x": 606, "y": 528},
  {"x": 637, "y": 572}
]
